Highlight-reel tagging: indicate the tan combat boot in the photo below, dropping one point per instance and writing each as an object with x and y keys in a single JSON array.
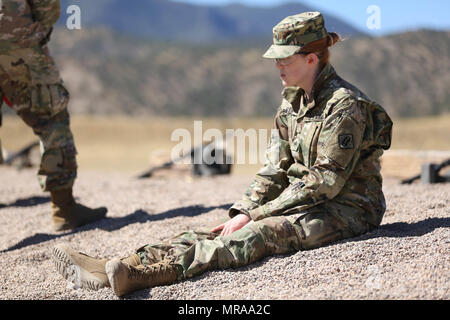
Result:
[
  {"x": 82, "y": 270},
  {"x": 125, "y": 278},
  {"x": 67, "y": 214}
]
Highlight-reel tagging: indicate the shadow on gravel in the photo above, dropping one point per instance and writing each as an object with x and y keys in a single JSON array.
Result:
[
  {"x": 140, "y": 216},
  {"x": 112, "y": 224},
  {"x": 27, "y": 202},
  {"x": 404, "y": 229}
]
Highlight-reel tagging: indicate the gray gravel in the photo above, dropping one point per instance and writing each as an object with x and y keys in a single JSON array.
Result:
[{"x": 408, "y": 257}]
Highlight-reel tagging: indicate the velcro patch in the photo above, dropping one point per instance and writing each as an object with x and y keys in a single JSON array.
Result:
[
  {"x": 298, "y": 186},
  {"x": 346, "y": 141}
]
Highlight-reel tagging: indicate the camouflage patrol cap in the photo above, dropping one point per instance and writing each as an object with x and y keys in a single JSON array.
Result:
[{"x": 294, "y": 32}]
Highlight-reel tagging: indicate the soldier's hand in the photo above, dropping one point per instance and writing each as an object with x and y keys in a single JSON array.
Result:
[{"x": 236, "y": 223}]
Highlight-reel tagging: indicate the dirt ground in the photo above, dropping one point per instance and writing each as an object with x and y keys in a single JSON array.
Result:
[{"x": 408, "y": 257}]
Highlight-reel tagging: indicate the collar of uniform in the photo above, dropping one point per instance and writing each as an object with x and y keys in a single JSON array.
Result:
[
  {"x": 327, "y": 73},
  {"x": 293, "y": 95}
]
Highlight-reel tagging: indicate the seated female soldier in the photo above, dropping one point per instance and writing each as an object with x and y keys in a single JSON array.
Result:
[{"x": 320, "y": 183}]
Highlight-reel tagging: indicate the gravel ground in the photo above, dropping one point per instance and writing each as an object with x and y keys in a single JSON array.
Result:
[{"x": 406, "y": 258}]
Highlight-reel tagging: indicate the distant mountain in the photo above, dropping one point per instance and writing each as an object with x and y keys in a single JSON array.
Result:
[
  {"x": 174, "y": 21},
  {"x": 109, "y": 73}
]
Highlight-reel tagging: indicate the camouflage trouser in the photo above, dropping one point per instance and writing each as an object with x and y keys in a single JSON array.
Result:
[
  {"x": 198, "y": 252},
  {"x": 30, "y": 80}
]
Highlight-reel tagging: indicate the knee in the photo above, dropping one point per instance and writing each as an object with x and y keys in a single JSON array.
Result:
[
  {"x": 57, "y": 158},
  {"x": 266, "y": 237},
  {"x": 320, "y": 230},
  {"x": 44, "y": 125},
  {"x": 313, "y": 234},
  {"x": 49, "y": 100},
  {"x": 44, "y": 105},
  {"x": 279, "y": 235},
  {"x": 240, "y": 248},
  {"x": 55, "y": 133}
]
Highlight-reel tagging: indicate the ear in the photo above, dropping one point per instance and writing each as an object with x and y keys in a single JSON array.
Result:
[{"x": 312, "y": 58}]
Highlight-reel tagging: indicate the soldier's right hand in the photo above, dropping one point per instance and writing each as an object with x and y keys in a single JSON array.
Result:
[{"x": 236, "y": 223}]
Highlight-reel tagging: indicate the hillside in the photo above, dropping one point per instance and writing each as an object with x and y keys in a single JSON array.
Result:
[
  {"x": 176, "y": 21},
  {"x": 108, "y": 73}
]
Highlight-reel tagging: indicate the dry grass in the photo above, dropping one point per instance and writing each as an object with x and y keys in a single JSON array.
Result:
[
  {"x": 133, "y": 144},
  {"x": 127, "y": 144},
  {"x": 428, "y": 133}
]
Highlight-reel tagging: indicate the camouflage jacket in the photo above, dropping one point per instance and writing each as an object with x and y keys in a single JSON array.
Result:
[
  {"x": 324, "y": 149},
  {"x": 26, "y": 23}
]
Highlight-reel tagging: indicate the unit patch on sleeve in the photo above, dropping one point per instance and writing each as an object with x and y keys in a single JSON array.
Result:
[{"x": 346, "y": 141}]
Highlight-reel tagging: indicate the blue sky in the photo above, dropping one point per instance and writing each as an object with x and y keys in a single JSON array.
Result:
[{"x": 395, "y": 15}]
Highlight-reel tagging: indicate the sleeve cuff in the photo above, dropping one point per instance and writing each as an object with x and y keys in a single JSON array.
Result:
[
  {"x": 257, "y": 213},
  {"x": 241, "y": 206}
]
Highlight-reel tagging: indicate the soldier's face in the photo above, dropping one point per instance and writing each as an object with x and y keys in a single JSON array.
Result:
[{"x": 295, "y": 70}]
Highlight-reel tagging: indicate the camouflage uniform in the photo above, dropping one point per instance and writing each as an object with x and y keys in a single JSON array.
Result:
[
  {"x": 321, "y": 180},
  {"x": 30, "y": 81}
]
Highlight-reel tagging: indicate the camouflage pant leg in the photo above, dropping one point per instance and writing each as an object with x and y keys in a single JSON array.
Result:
[
  {"x": 328, "y": 223},
  {"x": 169, "y": 249},
  {"x": 30, "y": 80},
  {"x": 198, "y": 252},
  {"x": 1, "y": 105},
  {"x": 58, "y": 168}
]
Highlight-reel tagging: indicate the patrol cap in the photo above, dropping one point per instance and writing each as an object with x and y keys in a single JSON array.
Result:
[{"x": 294, "y": 32}]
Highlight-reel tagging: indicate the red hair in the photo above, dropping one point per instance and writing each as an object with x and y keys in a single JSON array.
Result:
[{"x": 320, "y": 48}]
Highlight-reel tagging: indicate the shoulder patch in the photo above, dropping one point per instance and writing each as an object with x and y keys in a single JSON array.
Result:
[{"x": 346, "y": 141}]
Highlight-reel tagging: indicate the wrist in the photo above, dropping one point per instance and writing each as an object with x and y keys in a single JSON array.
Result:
[{"x": 257, "y": 213}]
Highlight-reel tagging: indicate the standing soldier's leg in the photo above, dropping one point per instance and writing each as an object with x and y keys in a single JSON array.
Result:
[
  {"x": 58, "y": 167},
  {"x": 31, "y": 81},
  {"x": 2, "y": 97},
  {"x": 1, "y": 118}
]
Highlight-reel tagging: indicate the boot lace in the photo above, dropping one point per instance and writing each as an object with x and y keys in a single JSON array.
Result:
[{"x": 150, "y": 272}]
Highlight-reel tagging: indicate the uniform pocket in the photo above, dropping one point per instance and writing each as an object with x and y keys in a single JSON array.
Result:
[
  {"x": 59, "y": 96},
  {"x": 48, "y": 100},
  {"x": 310, "y": 133}
]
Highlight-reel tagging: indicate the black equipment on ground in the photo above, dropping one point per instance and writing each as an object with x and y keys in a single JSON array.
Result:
[
  {"x": 23, "y": 156},
  {"x": 199, "y": 168},
  {"x": 430, "y": 173}
]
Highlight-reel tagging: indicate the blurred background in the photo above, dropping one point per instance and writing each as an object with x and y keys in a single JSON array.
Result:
[{"x": 138, "y": 70}]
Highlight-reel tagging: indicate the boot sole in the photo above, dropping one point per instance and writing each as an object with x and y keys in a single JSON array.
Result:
[{"x": 73, "y": 273}]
